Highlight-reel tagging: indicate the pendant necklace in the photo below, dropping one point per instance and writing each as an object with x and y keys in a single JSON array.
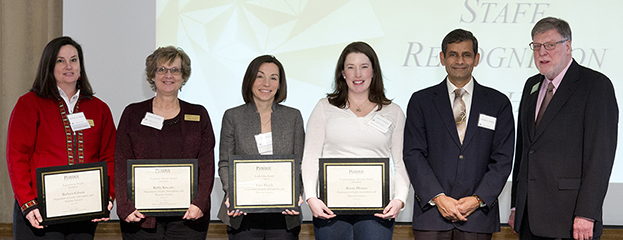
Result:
[
  {"x": 358, "y": 107},
  {"x": 267, "y": 121}
]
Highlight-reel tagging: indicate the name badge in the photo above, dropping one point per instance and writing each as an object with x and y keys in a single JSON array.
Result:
[
  {"x": 78, "y": 122},
  {"x": 487, "y": 122},
  {"x": 381, "y": 123},
  {"x": 192, "y": 117},
  {"x": 535, "y": 87},
  {"x": 152, "y": 120},
  {"x": 264, "y": 143}
]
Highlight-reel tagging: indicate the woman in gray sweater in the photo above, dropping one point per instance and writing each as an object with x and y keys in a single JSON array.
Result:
[{"x": 263, "y": 88}]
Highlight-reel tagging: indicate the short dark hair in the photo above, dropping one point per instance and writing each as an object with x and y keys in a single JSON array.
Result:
[
  {"x": 45, "y": 82},
  {"x": 162, "y": 55},
  {"x": 456, "y": 36},
  {"x": 251, "y": 74},
  {"x": 376, "y": 93},
  {"x": 550, "y": 23}
]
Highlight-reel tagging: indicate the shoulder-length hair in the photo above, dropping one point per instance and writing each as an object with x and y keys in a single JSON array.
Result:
[
  {"x": 376, "y": 93},
  {"x": 251, "y": 74},
  {"x": 45, "y": 82}
]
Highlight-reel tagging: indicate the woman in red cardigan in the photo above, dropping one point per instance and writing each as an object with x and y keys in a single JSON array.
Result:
[{"x": 40, "y": 136}]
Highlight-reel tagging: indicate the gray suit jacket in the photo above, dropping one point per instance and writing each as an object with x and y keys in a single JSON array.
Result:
[{"x": 239, "y": 127}]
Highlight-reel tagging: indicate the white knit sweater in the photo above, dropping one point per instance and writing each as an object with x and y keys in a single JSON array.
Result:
[{"x": 338, "y": 133}]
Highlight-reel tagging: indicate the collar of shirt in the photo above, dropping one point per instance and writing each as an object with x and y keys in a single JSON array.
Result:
[
  {"x": 70, "y": 102},
  {"x": 467, "y": 96},
  {"x": 558, "y": 79},
  {"x": 543, "y": 89}
]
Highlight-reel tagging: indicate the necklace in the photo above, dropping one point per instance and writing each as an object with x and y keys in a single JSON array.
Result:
[
  {"x": 269, "y": 118},
  {"x": 358, "y": 107}
]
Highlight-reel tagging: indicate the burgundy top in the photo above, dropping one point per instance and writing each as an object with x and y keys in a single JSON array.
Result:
[{"x": 183, "y": 137}]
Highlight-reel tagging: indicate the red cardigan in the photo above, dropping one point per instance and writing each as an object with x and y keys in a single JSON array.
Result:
[{"x": 37, "y": 138}]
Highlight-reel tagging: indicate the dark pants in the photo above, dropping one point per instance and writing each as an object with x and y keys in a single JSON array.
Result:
[
  {"x": 357, "y": 227},
  {"x": 454, "y": 234},
  {"x": 76, "y": 230},
  {"x": 263, "y": 226},
  {"x": 166, "y": 228}
]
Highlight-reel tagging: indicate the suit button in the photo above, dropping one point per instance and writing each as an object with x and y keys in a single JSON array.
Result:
[
  {"x": 460, "y": 156},
  {"x": 531, "y": 152}
]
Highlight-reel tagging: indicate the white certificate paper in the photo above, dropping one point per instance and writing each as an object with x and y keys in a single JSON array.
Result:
[
  {"x": 162, "y": 187},
  {"x": 264, "y": 183},
  {"x": 73, "y": 193},
  {"x": 354, "y": 186}
]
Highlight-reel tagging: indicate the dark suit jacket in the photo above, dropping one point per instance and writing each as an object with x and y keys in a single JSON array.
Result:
[
  {"x": 562, "y": 168},
  {"x": 438, "y": 163},
  {"x": 240, "y": 125}
]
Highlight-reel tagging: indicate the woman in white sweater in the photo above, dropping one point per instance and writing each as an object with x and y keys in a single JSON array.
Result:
[{"x": 339, "y": 127}]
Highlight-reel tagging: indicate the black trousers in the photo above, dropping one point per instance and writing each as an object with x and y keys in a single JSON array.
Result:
[
  {"x": 166, "y": 228},
  {"x": 263, "y": 226},
  {"x": 76, "y": 230},
  {"x": 454, "y": 234}
]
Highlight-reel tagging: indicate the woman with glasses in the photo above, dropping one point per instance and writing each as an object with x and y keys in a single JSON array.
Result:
[
  {"x": 176, "y": 130},
  {"x": 42, "y": 134},
  {"x": 262, "y": 116}
]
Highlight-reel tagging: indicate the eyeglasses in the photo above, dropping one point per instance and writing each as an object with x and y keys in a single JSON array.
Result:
[
  {"x": 547, "y": 45},
  {"x": 163, "y": 71}
]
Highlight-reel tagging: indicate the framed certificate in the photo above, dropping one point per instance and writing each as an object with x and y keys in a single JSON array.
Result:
[
  {"x": 354, "y": 185},
  {"x": 162, "y": 187},
  {"x": 264, "y": 183},
  {"x": 72, "y": 193}
]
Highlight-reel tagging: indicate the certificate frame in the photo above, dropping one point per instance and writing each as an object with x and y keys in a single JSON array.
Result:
[
  {"x": 378, "y": 165},
  {"x": 54, "y": 200},
  {"x": 189, "y": 178},
  {"x": 239, "y": 192}
]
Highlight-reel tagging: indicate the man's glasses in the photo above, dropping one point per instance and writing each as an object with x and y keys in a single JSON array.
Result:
[{"x": 547, "y": 45}]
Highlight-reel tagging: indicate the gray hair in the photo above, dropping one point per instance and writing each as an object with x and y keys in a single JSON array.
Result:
[{"x": 550, "y": 23}]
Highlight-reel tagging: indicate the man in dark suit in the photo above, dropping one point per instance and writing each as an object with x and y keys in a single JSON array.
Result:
[
  {"x": 566, "y": 140},
  {"x": 458, "y": 148}
]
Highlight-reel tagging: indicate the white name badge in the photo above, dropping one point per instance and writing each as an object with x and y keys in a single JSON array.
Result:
[
  {"x": 381, "y": 123},
  {"x": 264, "y": 143},
  {"x": 78, "y": 122},
  {"x": 487, "y": 122},
  {"x": 153, "y": 120}
]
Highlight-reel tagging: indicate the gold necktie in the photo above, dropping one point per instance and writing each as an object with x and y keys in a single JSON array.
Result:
[
  {"x": 548, "y": 97},
  {"x": 460, "y": 113}
]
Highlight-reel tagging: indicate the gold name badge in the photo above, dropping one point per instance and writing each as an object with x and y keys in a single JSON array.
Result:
[
  {"x": 191, "y": 117},
  {"x": 91, "y": 122}
]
